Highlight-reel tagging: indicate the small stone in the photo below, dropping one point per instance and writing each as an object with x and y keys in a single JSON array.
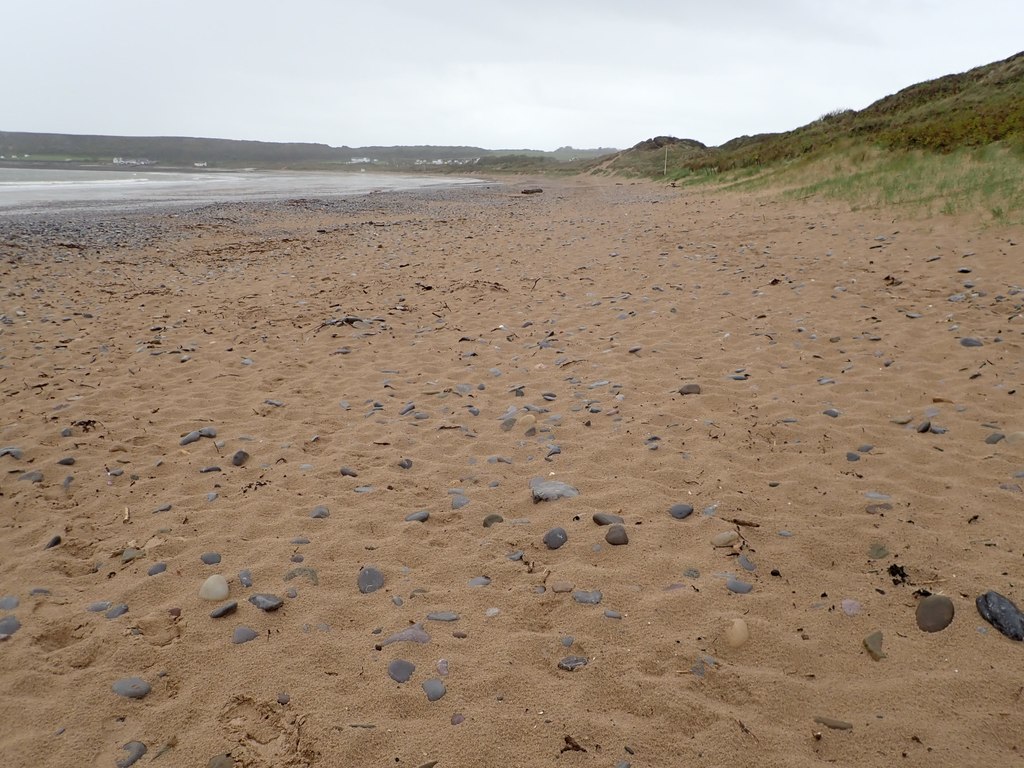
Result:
[
  {"x": 131, "y": 687},
  {"x": 130, "y": 553},
  {"x": 135, "y": 750},
  {"x": 616, "y": 535},
  {"x": 369, "y": 579},
  {"x": 191, "y": 437},
  {"x": 970, "y": 342},
  {"x": 418, "y": 517},
  {"x": 934, "y": 613},
  {"x": 831, "y": 722},
  {"x": 689, "y": 389},
  {"x": 492, "y": 519},
  {"x": 587, "y": 598},
  {"x": 99, "y": 606},
  {"x": 725, "y": 539},
  {"x": 680, "y": 511},
  {"x": 1001, "y": 613},
  {"x": 852, "y": 456},
  {"x": 479, "y": 581},
  {"x": 873, "y": 645},
  {"x": 401, "y": 671},
  {"x": 831, "y": 413},
  {"x": 53, "y": 542},
  {"x": 118, "y": 610},
  {"x": 224, "y": 610},
  {"x": 413, "y": 634},
  {"x": 68, "y": 461},
  {"x": 572, "y": 663},
  {"x": 266, "y": 602},
  {"x": 245, "y": 578},
  {"x": 555, "y": 538},
  {"x": 434, "y": 688},
  {"x": 458, "y": 719},
  {"x": 210, "y": 558},
  {"x": 550, "y": 490},
  {"x": 320, "y": 512},
  {"x": 283, "y": 699},
  {"x": 9, "y": 625},
  {"x": 606, "y": 518},
  {"x": 737, "y": 633},
  {"x": 736, "y": 585},
  {"x": 239, "y": 458},
  {"x": 243, "y": 635},
  {"x": 9, "y": 602},
  {"x": 459, "y": 501},
  {"x": 349, "y": 472},
  {"x": 214, "y": 588},
  {"x": 443, "y": 616}
]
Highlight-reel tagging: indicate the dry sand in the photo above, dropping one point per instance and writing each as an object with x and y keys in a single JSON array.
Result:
[{"x": 130, "y": 333}]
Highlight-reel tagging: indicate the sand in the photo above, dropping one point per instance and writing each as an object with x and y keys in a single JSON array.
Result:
[{"x": 301, "y": 331}]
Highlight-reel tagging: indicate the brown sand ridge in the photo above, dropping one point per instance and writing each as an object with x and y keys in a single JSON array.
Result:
[{"x": 300, "y": 331}]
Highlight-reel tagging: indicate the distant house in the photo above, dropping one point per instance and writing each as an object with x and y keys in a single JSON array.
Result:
[{"x": 201, "y": 165}]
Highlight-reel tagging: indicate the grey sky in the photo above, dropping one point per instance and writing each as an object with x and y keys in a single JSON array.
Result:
[{"x": 529, "y": 73}]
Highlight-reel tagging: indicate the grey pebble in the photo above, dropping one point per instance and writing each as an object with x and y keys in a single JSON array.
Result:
[
  {"x": 245, "y": 577},
  {"x": 443, "y": 616},
  {"x": 994, "y": 438},
  {"x": 208, "y": 470},
  {"x": 515, "y": 556},
  {"x": 736, "y": 585},
  {"x": 99, "y": 606},
  {"x": 418, "y": 517},
  {"x": 283, "y": 699},
  {"x": 266, "y": 602},
  {"x": 1001, "y": 613},
  {"x": 130, "y": 554},
  {"x": 35, "y": 476},
  {"x": 401, "y": 670},
  {"x": 610, "y": 614},
  {"x": 413, "y": 634},
  {"x": 243, "y": 635},
  {"x": 17, "y": 453},
  {"x": 162, "y": 508},
  {"x": 348, "y": 472},
  {"x": 572, "y": 663},
  {"x": 971, "y": 342},
  {"x": 852, "y": 456},
  {"x": 492, "y": 519},
  {"x": 479, "y": 581},
  {"x": 587, "y": 598},
  {"x": 832, "y": 413},
  {"x": 118, "y": 610},
  {"x": 135, "y": 750},
  {"x": 67, "y": 461},
  {"x": 9, "y": 625},
  {"x": 434, "y": 688},
  {"x": 680, "y": 511},
  {"x": 405, "y": 463},
  {"x": 745, "y": 562},
  {"x": 369, "y": 579},
  {"x": 550, "y": 490},
  {"x": 616, "y": 535},
  {"x": 555, "y": 538},
  {"x": 224, "y": 610},
  {"x": 606, "y": 518},
  {"x": 210, "y": 558},
  {"x": 191, "y": 437},
  {"x": 131, "y": 687},
  {"x": 208, "y": 431},
  {"x": 239, "y": 458},
  {"x": 8, "y": 602},
  {"x": 459, "y": 501},
  {"x": 320, "y": 512},
  {"x": 689, "y": 389}
]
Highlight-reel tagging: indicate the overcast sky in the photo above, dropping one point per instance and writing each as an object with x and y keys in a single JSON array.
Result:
[{"x": 524, "y": 74}]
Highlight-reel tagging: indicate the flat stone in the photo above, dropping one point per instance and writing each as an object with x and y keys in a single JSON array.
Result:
[
  {"x": 831, "y": 722},
  {"x": 320, "y": 512},
  {"x": 401, "y": 670},
  {"x": 9, "y": 602},
  {"x": 214, "y": 588},
  {"x": 562, "y": 586},
  {"x": 493, "y": 519},
  {"x": 725, "y": 539},
  {"x": 434, "y": 688},
  {"x": 221, "y": 761},
  {"x": 245, "y": 578},
  {"x": 191, "y": 437},
  {"x": 555, "y": 538},
  {"x": 971, "y": 342},
  {"x": 550, "y": 490},
  {"x": 243, "y": 635},
  {"x": 737, "y": 633},
  {"x": 873, "y": 645},
  {"x": 459, "y": 501},
  {"x": 210, "y": 558},
  {"x": 266, "y": 602},
  {"x": 680, "y": 511},
  {"x": 418, "y": 517},
  {"x": 369, "y": 579},
  {"x": 479, "y": 581},
  {"x": 115, "y": 611},
  {"x": 606, "y": 518},
  {"x": 1001, "y": 613},
  {"x": 572, "y": 663},
  {"x": 131, "y": 553},
  {"x": 934, "y": 613},
  {"x": 131, "y": 687},
  {"x": 135, "y": 750},
  {"x": 443, "y": 616},
  {"x": 616, "y": 535},
  {"x": 99, "y": 606},
  {"x": 9, "y": 625},
  {"x": 413, "y": 634},
  {"x": 348, "y": 472},
  {"x": 689, "y": 389},
  {"x": 587, "y": 598},
  {"x": 224, "y": 610},
  {"x": 736, "y": 585}
]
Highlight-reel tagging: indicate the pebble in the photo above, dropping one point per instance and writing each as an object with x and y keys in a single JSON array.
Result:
[
  {"x": 131, "y": 687},
  {"x": 736, "y": 585},
  {"x": 99, "y": 606},
  {"x": 434, "y": 688},
  {"x": 689, "y": 389},
  {"x": 9, "y": 625},
  {"x": 245, "y": 578},
  {"x": 320, "y": 512},
  {"x": 680, "y": 511},
  {"x": 737, "y": 633},
  {"x": 53, "y": 542},
  {"x": 130, "y": 554},
  {"x": 616, "y": 535},
  {"x": 832, "y": 413},
  {"x": 572, "y": 663},
  {"x": 610, "y": 614},
  {"x": 479, "y": 581},
  {"x": 934, "y": 613},
  {"x": 348, "y": 472},
  {"x": 1001, "y": 613},
  {"x": 550, "y": 490},
  {"x": 745, "y": 563},
  {"x": 214, "y": 588},
  {"x": 401, "y": 670},
  {"x": 725, "y": 539},
  {"x": 224, "y": 610},
  {"x": 971, "y": 342},
  {"x": 266, "y": 602},
  {"x": 443, "y": 616},
  {"x": 587, "y": 598},
  {"x": 555, "y": 538},
  {"x": 8, "y": 602},
  {"x": 191, "y": 437},
  {"x": 418, "y": 517},
  {"x": 68, "y": 461},
  {"x": 873, "y": 645},
  {"x": 405, "y": 463},
  {"x": 283, "y": 699},
  {"x": 243, "y": 635},
  {"x": 831, "y": 722},
  {"x": 239, "y": 458},
  {"x": 369, "y": 579},
  {"x": 210, "y": 558},
  {"x": 606, "y": 518},
  {"x": 135, "y": 750},
  {"x": 118, "y": 610},
  {"x": 459, "y": 501},
  {"x": 413, "y": 634}
]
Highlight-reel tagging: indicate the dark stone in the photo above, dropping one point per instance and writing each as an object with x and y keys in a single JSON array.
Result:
[
  {"x": 283, "y": 699},
  {"x": 418, "y": 517},
  {"x": 994, "y": 438},
  {"x": 266, "y": 602},
  {"x": 210, "y": 558},
  {"x": 934, "y": 613},
  {"x": 555, "y": 538},
  {"x": 191, "y": 437},
  {"x": 224, "y": 610},
  {"x": 832, "y": 413},
  {"x": 969, "y": 342},
  {"x": 243, "y": 635},
  {"x": 689, "y": 389},
  {"x": 493, "y": 519},
  {"x": 118, "y": 610},
  {"x": 135, "y": 750},
  {"x": 852, "y": 456},
  {"x": 53, "y": 542},
  {"x": 208, "y": 470},
  {"x": 68, "y": 461},
  {"x": 369, "y": 579},
  {"x": 616, "y": 535},
  {"x": 348, "y": 472},
  {"x": 572, "y": 663},
  {"x": 35, "y": 476},
  {"x": 459, "y": 501},
  {"x": 405, "y": 463},
  {"x": 1001, "y": 613},
  {"x": 239, "y": 458},
  {"x": 680, "y": 511},
  {"x": 401, "y": 670},
  {"x": 245, "y": 577},
  {"x": 606, "y": 518}
]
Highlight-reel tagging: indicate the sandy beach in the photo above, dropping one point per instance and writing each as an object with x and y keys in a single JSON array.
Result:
[{"x": 276, "y": 392}]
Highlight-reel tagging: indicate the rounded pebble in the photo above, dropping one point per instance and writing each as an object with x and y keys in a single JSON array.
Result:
[
  {"x": 934, "y": 613},
  {"x": 680, "y": 511},
  {"x": 243, "y": 635},
  {"x": 131, "y": 687},
  {"x": 616, "y": 535},
  {"x": 214, "y": 588},
  {"x": 434, "y": 688},
  {"x": 401, "y": 671},
  {"x": 369, "y": 579},
  {"x": 737, "y": 633},
  {"x": 555, "y": 538}
]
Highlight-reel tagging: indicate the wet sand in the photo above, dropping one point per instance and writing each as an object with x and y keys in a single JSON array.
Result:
[{"x": 853, "y": 373}]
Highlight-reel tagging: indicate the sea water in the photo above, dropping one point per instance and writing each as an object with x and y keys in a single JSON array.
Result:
[{"x": 33, "y": 190}]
